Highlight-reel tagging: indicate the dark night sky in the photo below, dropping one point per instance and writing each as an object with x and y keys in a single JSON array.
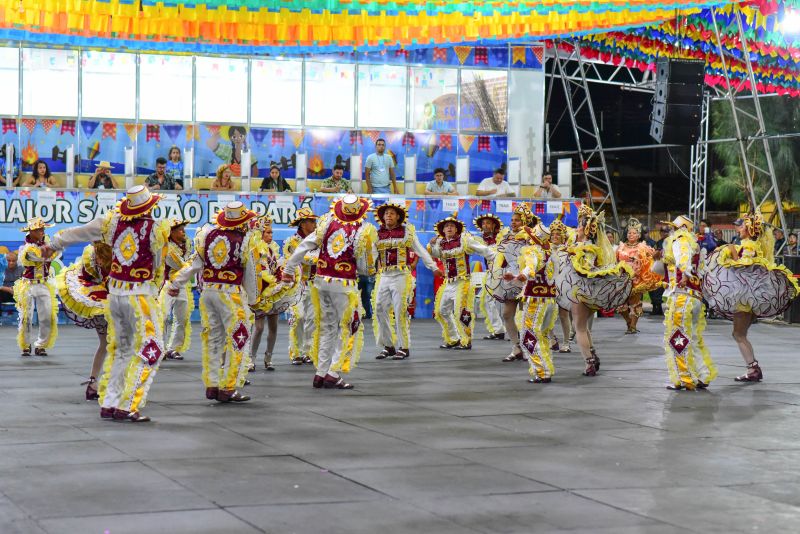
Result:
[{"x": 624, "y": 119}]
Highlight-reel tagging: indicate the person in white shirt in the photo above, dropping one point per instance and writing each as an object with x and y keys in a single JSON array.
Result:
[
  {"x": 379, "y": 173},
  {"x": 496, "y": 186},
  {"x": 546, "y": 189},
  {"x": 438, "y": 186}
]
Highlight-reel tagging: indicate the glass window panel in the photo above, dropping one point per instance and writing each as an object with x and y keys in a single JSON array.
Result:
[
  {"x": 165, "y": 87},
  {"x": 9, "y": 81},
  {"x": 484, "y": 100},
  {"x": 221, "y": 89},
  {"x": 109, "y": 85},
  {"x": 276, "y": 94},
  {"x": 330, "y": 94},
  {"x": 50, "y": 82},
  {"x": 434, "y": 98},
  {"x": 382, "y": 96}
]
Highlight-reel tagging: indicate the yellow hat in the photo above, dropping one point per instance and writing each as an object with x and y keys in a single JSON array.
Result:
[
  {"x": 37, "y": 223},
  {"x": 303, "y": 214}
]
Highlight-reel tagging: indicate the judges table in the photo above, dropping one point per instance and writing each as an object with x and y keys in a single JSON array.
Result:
[{"x": 70, "y": 207}]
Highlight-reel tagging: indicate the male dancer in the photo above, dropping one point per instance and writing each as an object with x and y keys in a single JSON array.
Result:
[
  {"x": 456, "y": 297},
  {"x": 301, "y": 321},
  {"x": 346, "y": 247},
  {"x": 177, "y": 309},
  {"x": 135, "y": 324},
  {"x": 395, "y": 284},
  {"x": 492, "y": 232},
  {"x": 688, "y": 361},
  {"x": 36, "y": 288},
  {"x": 226, "y": 257}
]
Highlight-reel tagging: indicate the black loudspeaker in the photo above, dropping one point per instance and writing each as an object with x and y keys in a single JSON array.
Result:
[
  {"x": 792, "y": 313},
  {"x": 677, "y": 101}
]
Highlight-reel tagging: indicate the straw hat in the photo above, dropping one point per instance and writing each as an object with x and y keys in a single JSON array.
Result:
[
  {"x": 303, "y": 214},
  {"x": 138, "y": 201},
  {"x": 401, "y": 210},
  {"x": 234, "y": 214},
  {"x": 681, "y": 221},
  {"x": 104, "y": 165},
  {"x": 479, "y": 219},
  {"x": 36, "y": 223},
  {"x": 452, "y": 219},
  {"x": 175, "y": 223},
  {"x": 351, "y": 209}
]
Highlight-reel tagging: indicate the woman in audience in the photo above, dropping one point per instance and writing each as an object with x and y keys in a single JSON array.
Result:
[{"x": 223, "y": 182}]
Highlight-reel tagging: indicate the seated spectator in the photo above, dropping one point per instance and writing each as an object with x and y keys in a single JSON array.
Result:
[
  {"x": 224, "y": 179},
  {"x": 175, "y": 165},
  {"x": 160, "y": 179},
  {"x": 438, "y": 186},
  {"x": 780, "y": 239},
  {"x": 274, "y": 182},
  {"x": 496, "y": 186},
  {"x": 546, "y": 189},
  {"x": 14, "y": 168},
  {"x": 336, "y": 184},
  {"x": 40, "y": 177},
  {"x": 791, "y": 245},
  {"x": 102, "y": 178},
  {"x": 719, "y": 239},
  {"x": 13, "y": 271}
]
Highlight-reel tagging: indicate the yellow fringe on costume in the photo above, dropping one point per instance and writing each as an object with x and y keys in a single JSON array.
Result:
[
  {"x": 582, "y": 257},
  {"x": 21, "y": 287},
  {"x": 315, "y": 303},
  {"x": 401, "y": 327},
  {"x": 679, "y": 316},
  {"x": 374, "y": 301},
  {"x": 405, "y": 323},
  {"x": 465, "y": 299},
  {"x": 485, "y": 312},
  {"x": 235, "y": 374},
  {"x": 351, "y": 343},
  {"x": 187, "y": 326},
  {"x": 751, "y": 253},
  {"x": 206, "y": 355},
  {"x": 437, "y": 308}
]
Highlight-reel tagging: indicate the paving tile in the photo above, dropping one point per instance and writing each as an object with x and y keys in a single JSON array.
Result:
[{"x": 194, "y": 521}]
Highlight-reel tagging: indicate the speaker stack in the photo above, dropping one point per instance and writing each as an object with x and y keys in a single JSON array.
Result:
[{"x": 677, "y": 101}]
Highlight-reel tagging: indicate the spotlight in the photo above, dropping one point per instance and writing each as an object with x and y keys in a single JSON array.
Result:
[{"x": 790, "y": 25}]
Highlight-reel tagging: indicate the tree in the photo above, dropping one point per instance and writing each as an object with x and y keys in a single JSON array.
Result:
[{"x": 781, "y": 115}]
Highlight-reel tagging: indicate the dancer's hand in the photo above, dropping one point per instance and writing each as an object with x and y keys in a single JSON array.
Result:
[
  {"x": 508, "y": 277},
  {"x": 287, "y": 277},
  {"x": 172, "y": 292},
  {"x": 47, "y": 251},
  {"x": 439, "y": 273},
  {"x": 521, "y": 277}
]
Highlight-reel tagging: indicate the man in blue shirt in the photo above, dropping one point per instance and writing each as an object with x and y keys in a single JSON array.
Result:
[{"x": 379, "y": 171}]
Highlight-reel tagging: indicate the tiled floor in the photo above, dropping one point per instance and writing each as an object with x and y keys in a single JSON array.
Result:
[{"x": 447, "y": 442}]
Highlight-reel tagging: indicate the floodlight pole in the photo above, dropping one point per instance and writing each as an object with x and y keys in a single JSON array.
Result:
[
  {"x": 751, "y": 170},
  {"x": 593, "y": 160},
  {"x": 698, "y": 171}
]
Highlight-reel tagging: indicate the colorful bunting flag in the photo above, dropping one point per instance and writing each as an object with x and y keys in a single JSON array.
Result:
[
  {"x": 110, "y": 130},
  {"x": 153, "y": 132},
  {"x": 462, "y": 53},
  {"x": 408, "y": 140},
  {"x": 518, "y": 55},
  {"x": 466, "y": 141},
  {"x": 88, "y": 127},
  {"x": 278, "y": 138},
  {"x": 484, "y": 143},
  {"x": 48, "y": 124},
  {"x": 173, "y": 130},
  {"x": 259, "y": 134},
  {"x": 9, "y": 125},
  {"x": 30, "y": 124},
  {"x": 68, "y": 127},
  {"x": 297, "y": 137},
  {"x": 132, "y": 129},
  {"x": 446, "y": 141},
  {"x": 440, "y": 54},
  {"x": 481, "y": 55}
]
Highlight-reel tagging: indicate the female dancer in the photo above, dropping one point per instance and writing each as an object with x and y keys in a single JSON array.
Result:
[
  {"x": 639, "y": 256},
  {"x": 589, "y": 279},
  {"x": 83, "y": 292},
  {"x": 561, "y": 237},
  {"x": 742, "y": 282}
]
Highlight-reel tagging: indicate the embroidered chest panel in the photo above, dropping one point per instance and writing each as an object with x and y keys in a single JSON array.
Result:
[
  {"x": 393, "y": 247},
  {"x": 132, "y": 254},
  {"x": 337, "y": 255},
  {"x": 222, "y": 257},
  {"x": 538, "y": 286},
  {"x": 454, "y": 258}
]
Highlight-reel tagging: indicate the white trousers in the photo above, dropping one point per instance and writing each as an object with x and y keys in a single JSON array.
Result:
[
  {"x": 301, "y": 326},
  {"x": 135, "y": 349},
  {"x": 454, "y": 310},
  {"x": 176, "y": 314},
  {"x": 227, "y": 329},
  {"x": 393, "y": 295},
  {"x": 494, "y": 314},
  {"x": 42, "y": 298},
  {"x": 535, "y": 321},
  {"x": 338, "y": 331}
]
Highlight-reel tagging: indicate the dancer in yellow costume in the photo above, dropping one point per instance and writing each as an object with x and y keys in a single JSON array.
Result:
[
  {"x": 346, "y": 245},
  {"x": 456, "y": 297},
  {"x": 135, "y": 321},
  {"x": 394, "y": 285},
  {"x": 301, "y": 320},
  {"x": 743, "y": 282},
  {"x": 688, "y": 361},
  {"x": 492, "y": 231},
  {"x": 562, "y": 237},
  {"x": 588, "y": 278},
  {"x": 177, "y": 310},
  {"x": 36, "y": 289},
  {"x": 538, "y": 307},
  {"x": 225, "y": 255},
  {"x": 83, "y": 290},
  {"x": 639, "y": 256}
]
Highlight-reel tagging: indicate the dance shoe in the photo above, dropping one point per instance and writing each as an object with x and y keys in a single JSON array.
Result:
[
  {"x": 297, "y": 361},
  {"x": 39, "y": 352},
  {"x": 106, "y": 413},
  {"x": 231, "y": 396},
  {"x": 596, "y": 358},
  {"x": 133, "y": 417},
  {"x": 318, "y": 380},
  {"x": 701, "y": 385},
  {"x": 468, "y": 346},
  {"x": 513, "y": 357},
  {"x": 499, "y": 336},
  {"x": 539, "y": 380},
  {"x": 385, "y": 353},
  {"x": 754, "y": 373},
  {"x": 555, "y": 345},
  {"x": 453, "y": 345},
  {"x": 591, "y": 367},
  {"x": 402, "y": 354},
  {"x": 91, "y": 392},
  {"x": 679, "y": 387},
  {"x": 268, "y": 366},
  {"x": 211, "y": 393},
  {"x": 26, "y": 352},
  {"x": 173, "y": 355},
  {"x": 333, "y": 382},
  {"x": 307, "y": 359}
]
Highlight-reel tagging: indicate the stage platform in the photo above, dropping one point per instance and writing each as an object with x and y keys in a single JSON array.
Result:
[{"x": 446, "y": 442}]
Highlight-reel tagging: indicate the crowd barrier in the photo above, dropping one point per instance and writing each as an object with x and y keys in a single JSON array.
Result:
[{"x": 66, "y": 208}]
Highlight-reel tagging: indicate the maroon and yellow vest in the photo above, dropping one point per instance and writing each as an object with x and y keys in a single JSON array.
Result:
[
  {"x": 693, "y": 283},
  {"x": 34, "y": 271},
  {"x": 222, "y": 257},
  {"x": 132, "y": 256},
  {"x": 337, "y": 255},
  {"x": 538, "y": 286},
  {"x": 394, "y": 247},
  {"x": 169, "y": 270},
  {"x": 454, "y": 258},
  {"x": 292, "y": 242}
]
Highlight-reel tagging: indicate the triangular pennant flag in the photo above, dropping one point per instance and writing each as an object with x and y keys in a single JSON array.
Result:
[
  {"x": 88, "y": 127},
  {"x": 132, "y": 129},
  {"x": 153, "y": 132},
  {"x": 173, "y": 130},
  {"x": 518, "y": 55},
  {"x": 110, "y": 130},
  {"x": 462, "y": 52},
  {"x": 9, "y": 125},
  {"x": 48, "y": 124},
  {"x": 30, "y": 124},
  {"x": 259, "y": 134},
  {"x": 192, "y": 132},
  {"x": 473, "y": 202},
  {"x": 297, "y": 137},
  {"x": 538, "y": 53},
  {"x": 373, "y": 134},
  {"x": 420, "y": 205},
  {"x": 68, "y": 127},
  {"x": 213, "y": 129},
  {"x": 466, "y": 141},
  {"x": 435, "y": 204},
  {"x": 461, "y": 202}
]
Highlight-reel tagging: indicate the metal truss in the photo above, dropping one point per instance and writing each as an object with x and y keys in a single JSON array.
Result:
[
  {"x": 595, "y": 71},
  {"x": 698, "y": 172},
  {"x": 754, "y": 174},
  {"x": 587, "y": 135}
]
